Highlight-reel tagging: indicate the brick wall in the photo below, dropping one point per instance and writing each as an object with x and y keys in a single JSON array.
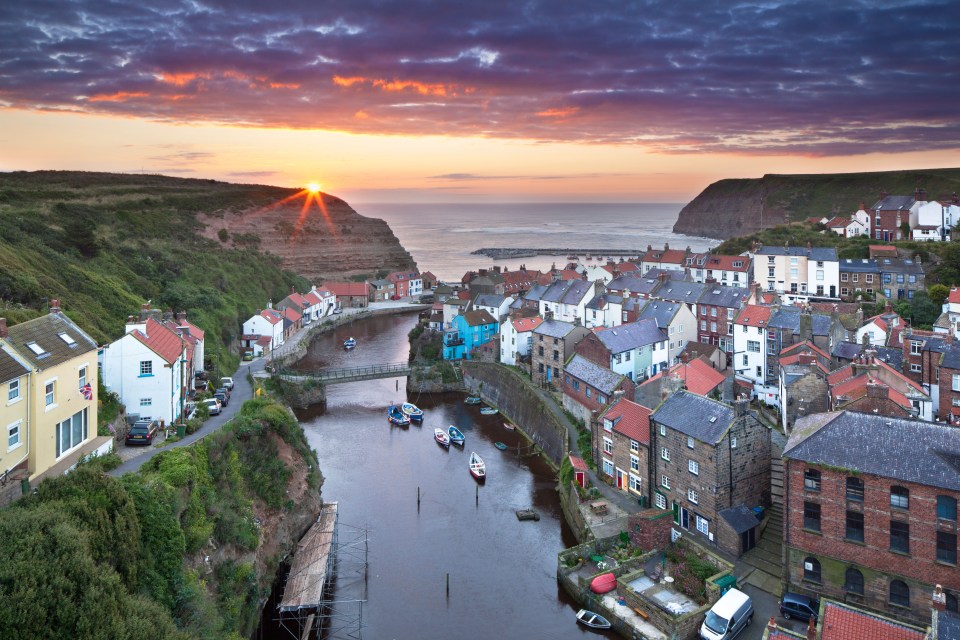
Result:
[
  {"x": 812, "y": 390},
  {"x": 650, "y": 529},
  {"x": 593, "y": 350},
  {"x": 540, "y": 363},
  {"x": 878, "y": 564},
  {"x": 948, "y": 395}
]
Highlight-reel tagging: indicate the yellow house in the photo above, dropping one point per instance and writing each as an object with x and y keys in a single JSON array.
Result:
[
  {"x": 61, "y": 393},
  {"x": 14, "y": 446}
]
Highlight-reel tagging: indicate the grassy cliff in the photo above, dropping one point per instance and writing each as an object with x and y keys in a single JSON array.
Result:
[{"x": 730, "y": 208}]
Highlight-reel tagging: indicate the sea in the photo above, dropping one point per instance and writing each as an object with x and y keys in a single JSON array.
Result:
[{"x": 441, "y": 237}]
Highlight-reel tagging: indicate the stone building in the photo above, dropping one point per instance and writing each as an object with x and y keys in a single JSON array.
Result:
[
  {"x": 553, "y": 343},
  {"x": 871, "y": 511},
  {"x": 588, "y": 388},
  {"x": 707, "y": 458},
  {"x": 622, "y": 443}
]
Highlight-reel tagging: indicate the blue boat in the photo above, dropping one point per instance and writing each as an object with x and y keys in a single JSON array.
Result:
[
  {"x": 456, "y": 436},
  {"x": 500, "y": 445},
  {"x": 397, "y": 417},
  {"x": 412, "y": 411},
  {"x": 349, "y": 343}
]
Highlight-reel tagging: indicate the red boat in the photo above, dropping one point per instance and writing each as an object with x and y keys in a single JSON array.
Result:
[{"x": 603, "y": 583}]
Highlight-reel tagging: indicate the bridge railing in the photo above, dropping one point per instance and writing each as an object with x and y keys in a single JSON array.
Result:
[{"x": 354, "y": 372}]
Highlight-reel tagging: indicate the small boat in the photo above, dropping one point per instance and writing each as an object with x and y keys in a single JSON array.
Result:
[
  {"x": 472, "y": 400},
  {"x": 500, "y": 445},
  {"x": 603, "y": 583},
  {"x": 488, "y": 411},
  {"x": 508, "y": 426},
  {"x": 478, "y": 469},
  {"x": 349, "y": 343},
  {"x": 572, "y": 257},
  {"x": 412, "y": 411},
  {"x": 592, "y": 620},
  {"x": 441, "y": 437},
  {"x": 527, "y": 514},
  {"x": 456, "y": 436},
  {"x": 397, "y": 417}
]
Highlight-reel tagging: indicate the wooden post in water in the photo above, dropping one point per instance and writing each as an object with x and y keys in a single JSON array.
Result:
[
  {"x": 477, "y": 488},
  {"x": 418, "y": 499},
  {"x": 448, "y": 585}
]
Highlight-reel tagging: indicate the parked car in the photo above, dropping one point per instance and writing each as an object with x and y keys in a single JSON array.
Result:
[
  {"x": 224, "y": 390},
  {"x": 213, "y": 406},
  {"x": 227, "y": 382},
  {"x": 222, "y": 397},
  {"x": 247, "y": 356},
  {"x": 142, "y": 432},
  {"x": 730, "y": 615},
  {"x": 801, "y": 607}
]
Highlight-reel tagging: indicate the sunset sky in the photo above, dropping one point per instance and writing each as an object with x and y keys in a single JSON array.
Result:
[{"x": 496, "y": 101}]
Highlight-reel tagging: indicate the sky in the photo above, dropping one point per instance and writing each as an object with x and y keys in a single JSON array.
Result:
[{"x": 416, "y": 101}]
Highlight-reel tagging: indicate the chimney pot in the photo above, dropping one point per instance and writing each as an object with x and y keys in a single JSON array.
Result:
[
  {"x": 811, "y": 630},
  {"x": 55, "y": 305},
  {"x": 772, "y": 625},
  {"x": 939, "y": 599},
  {"x": 145, "y": 306}
]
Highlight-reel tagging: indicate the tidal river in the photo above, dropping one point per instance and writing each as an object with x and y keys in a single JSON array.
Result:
[{"x": 502, "y": 572}]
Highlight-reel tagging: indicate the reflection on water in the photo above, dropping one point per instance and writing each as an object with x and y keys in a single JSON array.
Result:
[{"x": 502, "y": 572}]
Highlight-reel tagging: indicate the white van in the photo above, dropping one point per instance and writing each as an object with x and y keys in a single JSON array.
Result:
[{"x": 731, "y": 614}]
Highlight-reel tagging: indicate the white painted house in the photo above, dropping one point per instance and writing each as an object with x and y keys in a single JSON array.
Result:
[
  {"x": 269, "y": 322},
  {"x": 932, "y": 221},
  {"x": 566, "y": 300},
  {"x": 147, "y": 369},
  {"x": 516, "y": 335},
  {"x": 749, "y": 347}
]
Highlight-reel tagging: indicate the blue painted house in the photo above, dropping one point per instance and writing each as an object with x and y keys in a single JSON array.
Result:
[{"x": 469, "y": 330}]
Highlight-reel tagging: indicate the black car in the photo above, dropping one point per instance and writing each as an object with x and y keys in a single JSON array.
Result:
[
  {"x": 795, "y": 605},
  {"x": 224, "y": 390},
  {"x": 222, "y": 397},
  {"x": 142, "y": 432}
]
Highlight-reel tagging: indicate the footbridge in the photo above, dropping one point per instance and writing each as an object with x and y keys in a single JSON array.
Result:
[{"x": 354, "y": 374}]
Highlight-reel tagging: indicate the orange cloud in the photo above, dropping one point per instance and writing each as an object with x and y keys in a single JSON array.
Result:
[
  {"x": 340, "y": 81},
  {"x": 181, "y": 79},
  {"x": 558, "y": 113},
  {"x": 420, "y": 87},
  {"x": 120, "y": 96},
  {"x": 361, "y": 115},
  {"x": 284, "y": 85}
]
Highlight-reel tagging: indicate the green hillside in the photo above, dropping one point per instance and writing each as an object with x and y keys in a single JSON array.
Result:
[{"x": 105, "y": 243}]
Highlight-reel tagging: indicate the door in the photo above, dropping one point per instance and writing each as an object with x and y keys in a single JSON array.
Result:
[
  {"x": 684, "y": 518},
  {"x": 620, "y": 481},
  {"x": 748, "y": 540}
]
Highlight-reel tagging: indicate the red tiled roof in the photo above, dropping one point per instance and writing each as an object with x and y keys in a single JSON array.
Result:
[
  {"x": 954, "y": 295},
  {"x": 291, "y": 314},
  {"x": 194, "y": 330},
  {"x": 839, "y": 221},
  {"x": 526, "y": 324},
  {"x": 725, "y": 263},
  {"x": 754, "y": 316},
  {"x": 296, "y": 298},
  {"x": 672, "y": 256},
  {"x": 348, "y": 288},
  {"x": 698, "y": 376},
  {"x": 162, "y": 340},
  {"x": 270, "y": 315},
  {"x": 794, "y": 359},
  {"x": 313, "y": 297},
  {"x": 630, "y": 419},
  {"x": 619, "y": 268},
  {"x": 264, "y": 341},
  {"x": 804, "y": 346},
  {"x": 578, "y": 463},
  {"x": 841, "y": 622}
]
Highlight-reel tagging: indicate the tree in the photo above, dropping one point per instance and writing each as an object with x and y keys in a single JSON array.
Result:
[
  {"x": 938, "y": 293},
  {"x": 925, "y": 312}
]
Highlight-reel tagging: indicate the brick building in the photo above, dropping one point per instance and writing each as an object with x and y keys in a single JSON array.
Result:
[
  {"x": 949, "y": 386},
  {"x": 622, "y": 444},
  {"x": 871, "y": 508},
  {"x": 718, "y": 307},
  {"x": 709, "y": 457},
  {"x": 888, "y": 215},
  {"x": 553, "y": 343},
  {"x": 900, "y": 278},
  {"x": 589, "y": 387}
]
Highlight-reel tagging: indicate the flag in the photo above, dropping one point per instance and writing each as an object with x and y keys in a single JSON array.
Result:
[{"x": 87, "y": 392}]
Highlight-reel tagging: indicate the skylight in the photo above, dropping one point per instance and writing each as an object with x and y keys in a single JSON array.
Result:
[
  {"x": 67, "y": 338},
  {"x": 37, "y": 349}
]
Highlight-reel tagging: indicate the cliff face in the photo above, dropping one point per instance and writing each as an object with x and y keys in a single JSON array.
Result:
[
  {"x": 323, "y": 239},
  {"x": 730, "y": 208}
]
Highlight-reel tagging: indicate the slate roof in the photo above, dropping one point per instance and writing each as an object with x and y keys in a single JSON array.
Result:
[
  {"x": 44, "y": 331},
  {"x": 686, "y": 292},
  {"x": 478, "y": 318},
  {"x": 661, "y": 311},
  {"x": 535, "y": 293},
  {"x": 724, "y": 296},
  {"x": 696, "y": 416},
  {"x": 554, "y": 328},
  {"x": 951, "y": 358},
  {"x": 894, "y": 203},
  {"x": 631, "y": 335},
  {"x": 843, "y": 622},
  {"x": 577, "y": 291},
  {"x": 846, "y": 350},
  {"x": 10, "y": 368},
  {"x": 859, "y": 266},
  {"x": 899, "y": 265},
  {"x": 601, "y": 301},
  {"x": 948, "y": 625},
  {"x": 874, "y": 444},
  {"x": 740, "y": 518},
  {"x": 789, "y": 318},
  {"x": 828, "y": 254},
  {"x": 489, "y": 300},
  {"x": 594, "y": 375},
  {"x": 633, "y": 284}
]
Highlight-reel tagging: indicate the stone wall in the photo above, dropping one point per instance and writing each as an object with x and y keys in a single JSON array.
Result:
[{"x": 517, "y": 400}]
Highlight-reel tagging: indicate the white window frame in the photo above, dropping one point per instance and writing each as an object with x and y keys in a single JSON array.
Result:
[
  {"x": 692, "y": 496},
  {"x": 694, "y": 467},
  {"x": 18, "y": 428},
  {"x": 665, "y": 454},
  {"x": 13, "y": 391},
  {"x": 660, "y": 500},
  {"x": 733, "y": 442},
  {"x": 634, "y": 446},
  {"x": 703, "y": 525},
  {"x": 663, "y": 430},
  {"x": 689, "y": 442},
  {"x": 634, "y": 463},
  {"x": 50, "y": 397},
  {"x": 665, "y": 481}
]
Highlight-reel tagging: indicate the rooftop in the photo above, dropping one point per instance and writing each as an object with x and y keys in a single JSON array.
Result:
[
  {"x": 704, "y": 419},
  {"x": 594, "y": 375}
]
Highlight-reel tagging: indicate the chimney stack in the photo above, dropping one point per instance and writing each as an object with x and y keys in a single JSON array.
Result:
[
  {"x": 740, "y": 406},
  {"x": 55, "y": 305},
  {"x": 811, "y": 630},
  {"x": 877, "y": 390},
  {"x": 939, "y": 599},
  {"x": 182, "y": 317},
  {"x": 3, "y": 328}
]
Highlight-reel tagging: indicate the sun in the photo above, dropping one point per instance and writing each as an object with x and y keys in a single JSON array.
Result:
[{"x": 313, "y": 187}]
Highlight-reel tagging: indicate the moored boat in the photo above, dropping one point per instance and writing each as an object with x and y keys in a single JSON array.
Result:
[
  {"x": 603, "y": 583},
  {"x": 472, "y": 400},
  {"x": 412, "y": 411},
  {"x": 441, "y": 437},
  {"x": 397, "y": 417},
  {"x": 456, "y": 436},
  {"x": 500, "y": 445},
  {"x": 349, "y": 343},
  {"x": 508, "y": 426},
  {"x": 478, "y": 468},
  {"x": 593, "y": 620},
  {"x": 488, "y": 411}
]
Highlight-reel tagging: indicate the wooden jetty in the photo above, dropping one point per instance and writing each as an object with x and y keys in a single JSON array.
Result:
[{"x": 312, "y": 566}]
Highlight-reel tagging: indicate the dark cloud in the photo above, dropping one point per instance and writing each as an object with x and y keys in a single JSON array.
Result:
[
  {"x": 819, "y": 78},
  {"x": 252, "y": 174}
]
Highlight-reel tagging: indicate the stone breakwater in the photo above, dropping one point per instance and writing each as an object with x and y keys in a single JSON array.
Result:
[{"x": 506, "y": 253}]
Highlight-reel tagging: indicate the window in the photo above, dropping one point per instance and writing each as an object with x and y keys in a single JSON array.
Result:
[
  {"x": 811, "y": 480},
  {"x": 665, "y": 482},
  {"x": 745, "y": 362},
  {"x": 71, "y": 432},
  {"x": 665, "y": 453},
  {"x": 899, "y": 498},
  {"x": 753, "y": 345},
  {"x": 663, "y": 430},
  {"x": 634, "y": 463},
  {"x": 608, "y": 468},
  {"x": 955, "y": 382},
  {"x": 854, "y": 526},
  {"x": 899, "y": 593},
  {"x": 811, "y": 569},
  {"x": 146, "y": 402},
  {"x": 689, "y": 442},
  {"x": 13, "y": 390},
  {"x": 703, "y": 325},
  {"x": 694, "y": 467},
  {"x": 733, "y": 442},
  {"x": 660, "y": 500},
  {"x": 899, "y": 536},
  {"x": 713, "y": 327},
  {"x": 13, "y": 435},
  {"x": 855, "y": 278},
  {"x": 703, "y": 525},
  {"x": 914, "y": 368},
  {"x": 811, "y": 516},
  {"x": 576, "y": 385},
  {"x": 601, "y": 399},
  {"x": 146, "y": 367},
  {"x": 589, "y": 392},
  {"x": 915, "y": 347},
  {"x": 946, "y": 547},
  {"x": 692, "y": 496},
  {"x": 947, "y": 508},
  {"x": 843, "y": 277},
  {"x": 636, "y": 483},
  {"x": 853, "y": 581},
  {"x": 844, "y": 291},
  {"x": 49, "y": 393},
  {"x": 82, "y": 375},
  {"x": 869, "y": 278},
  {"x": 854, "y": 489},
  {"x": 608, "y": 446},
  {"x": 634, "y": 446}
]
